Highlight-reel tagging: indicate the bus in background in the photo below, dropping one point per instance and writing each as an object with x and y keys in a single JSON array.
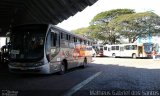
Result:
[
  {"x": 2, "y": 43},
  {"x": 45, "y": 48},
  {"x": 98, "y": 49},
  {"x": 94, "y": 54},
  {"x": 157, "y": 49},
  {"x": 129, "y": 50},
  {"x": 4, "y": 52}
]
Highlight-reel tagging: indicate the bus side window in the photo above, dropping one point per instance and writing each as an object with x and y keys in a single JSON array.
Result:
[
  {"x": 89, "y": 43},
  {"x": 113, "y": 48},
  {"x": 134, "y": 47},
  {"x": 69, "y": 37},
  {"x": 61, "y": 35},
  {"x": 130, "y": 47},
  {"x": 55, "y": 39},
  {"x": 66, "y": 36},
  {"x": 80, "y": 40},
  {"x": 75, "y": 39},
  {"x": 84, "y": 42},
  {"x": 127, "y": 47},
  {"x": 117, "y": 47},
  {"x": 105, "y": 48}
]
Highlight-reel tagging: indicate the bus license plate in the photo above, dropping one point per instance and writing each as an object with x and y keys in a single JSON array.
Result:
[{"x": 23, "y": 68}]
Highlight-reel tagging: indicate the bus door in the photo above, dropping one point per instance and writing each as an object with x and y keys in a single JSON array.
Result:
[
  {"x": 121, "y": 50},
  {"x": 105, "y": 53},
  {"x": 140, "y": 51},
  {"x": 53, "y": 48},
  {"x": 126, "y": 52}
]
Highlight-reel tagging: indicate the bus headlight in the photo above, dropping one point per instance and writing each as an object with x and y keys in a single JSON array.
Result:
[
  {"x": 11, "y": 64},
  {"x": 38, "y": 64}
]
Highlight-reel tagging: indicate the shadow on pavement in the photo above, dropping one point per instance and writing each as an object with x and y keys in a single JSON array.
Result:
[{"x": 113, "y": 77}]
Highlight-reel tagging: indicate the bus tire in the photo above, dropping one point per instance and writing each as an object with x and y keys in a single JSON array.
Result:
[
  {"x": 63, "y": 68},
  {"x": 134, "y": 56},
  {"x": 84, "y": 63},
  {"x": 114, "y": 55}
]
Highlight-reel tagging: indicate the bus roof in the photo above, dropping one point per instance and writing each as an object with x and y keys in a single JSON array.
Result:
[
  {"x": 68, "y": 32},
  {"x": 58, "y": 28}
]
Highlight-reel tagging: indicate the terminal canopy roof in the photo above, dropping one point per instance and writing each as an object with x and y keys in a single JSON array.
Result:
[{"x": 16, "y": 12}]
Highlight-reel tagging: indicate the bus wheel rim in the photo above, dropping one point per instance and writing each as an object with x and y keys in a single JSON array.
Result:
[
  {"x": 85, "y": 62},
  {"x": 134, "y": 56},
  {"x": 62, "y": 68}
]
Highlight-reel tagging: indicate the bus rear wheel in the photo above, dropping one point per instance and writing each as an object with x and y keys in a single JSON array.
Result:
[
  {"x": 84, "y": 63},
  {"x": 134, "y": 56},
  {"x": 114, "y": 55}
]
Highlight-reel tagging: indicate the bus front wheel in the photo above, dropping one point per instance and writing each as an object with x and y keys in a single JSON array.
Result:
[{"x": 62, "y": 69}]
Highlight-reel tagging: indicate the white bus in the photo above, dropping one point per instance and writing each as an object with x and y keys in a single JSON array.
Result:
[
  {"x": 98, "y": 49},
  {"x": 45, "y": 48},
  {"x": 129, "y": 50}
]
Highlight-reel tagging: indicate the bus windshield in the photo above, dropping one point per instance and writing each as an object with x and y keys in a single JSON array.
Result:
[{"x": 27, "y": 44}]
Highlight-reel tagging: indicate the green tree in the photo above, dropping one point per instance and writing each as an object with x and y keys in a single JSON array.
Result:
[
  {"x": 99, "y": 25},
  {"x": 133, "y": 26},
  {"x": 82, "y": 31}
]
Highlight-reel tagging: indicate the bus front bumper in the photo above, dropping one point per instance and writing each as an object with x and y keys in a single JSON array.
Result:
[{"x": 43, "y": 69}]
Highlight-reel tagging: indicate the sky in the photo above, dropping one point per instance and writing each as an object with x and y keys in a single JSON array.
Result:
[
  {"x": 2, "y": 41},
  {"x": 82, "y": 19}
]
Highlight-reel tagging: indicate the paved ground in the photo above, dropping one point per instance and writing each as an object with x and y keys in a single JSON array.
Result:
[
  {"x": 105, "y": 76},
  {"x": 129, "y": 62},
  {"x": 124, "y": 76}
]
